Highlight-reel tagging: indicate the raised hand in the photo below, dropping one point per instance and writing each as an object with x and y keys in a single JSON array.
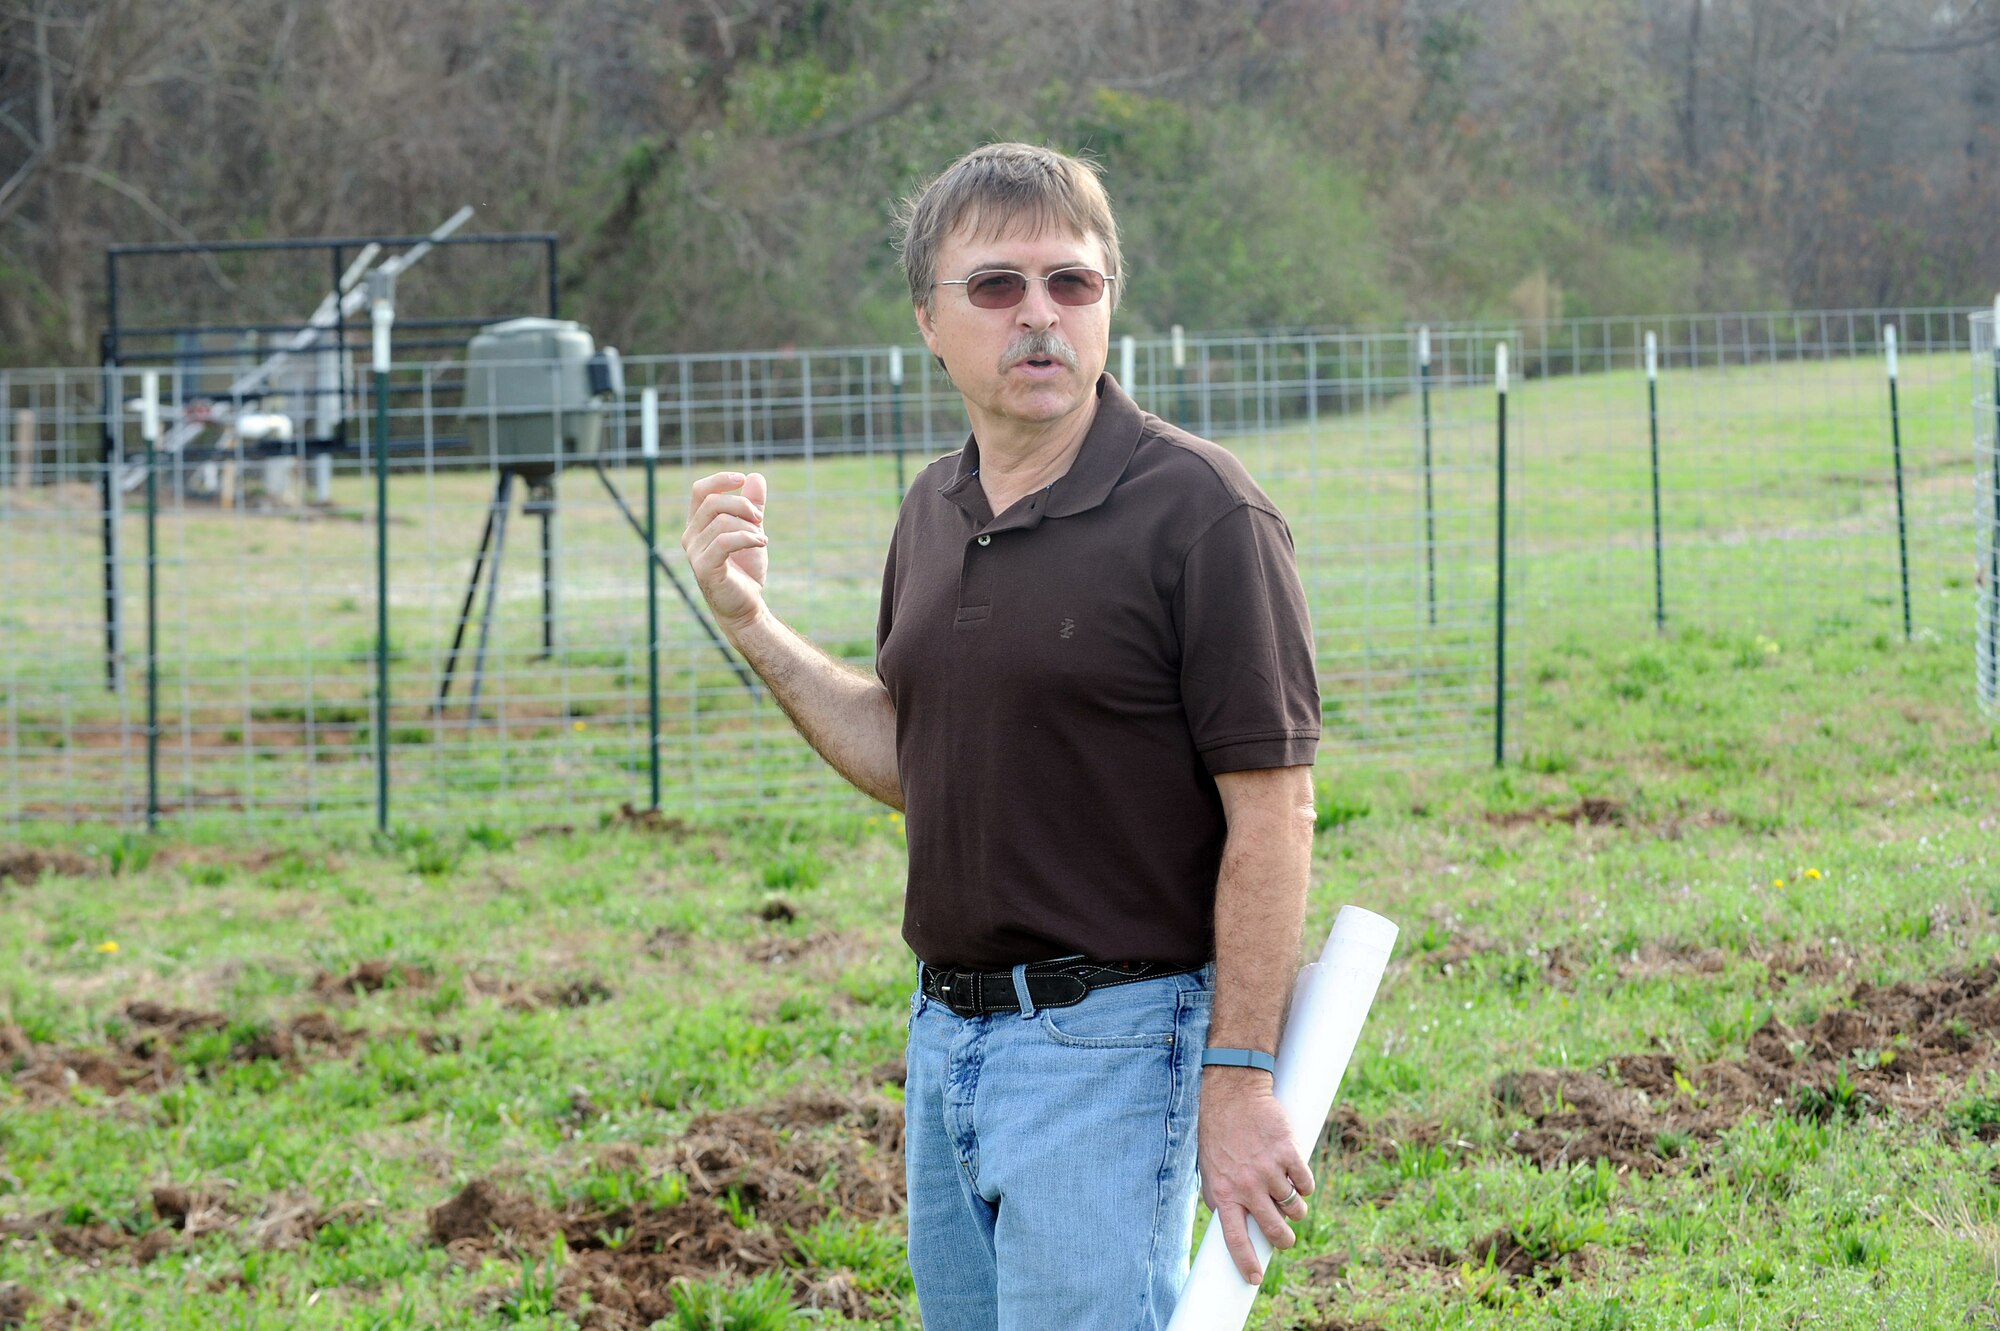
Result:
[{"x": 726, "y": 545}]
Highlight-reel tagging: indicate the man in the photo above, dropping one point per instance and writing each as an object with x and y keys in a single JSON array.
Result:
[{"x": 1098, "y": 708}]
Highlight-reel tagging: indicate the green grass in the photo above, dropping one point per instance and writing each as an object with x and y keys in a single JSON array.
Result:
[{"x": 1832, "y": 799}]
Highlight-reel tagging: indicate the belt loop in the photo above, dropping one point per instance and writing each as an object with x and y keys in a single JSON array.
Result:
[{"x": 1021, "y": 992}]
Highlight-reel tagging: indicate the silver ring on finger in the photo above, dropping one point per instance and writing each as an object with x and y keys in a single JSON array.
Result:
[{"x": 1289, "y": 1198}]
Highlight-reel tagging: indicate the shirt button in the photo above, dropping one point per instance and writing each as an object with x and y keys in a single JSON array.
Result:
[{"x": 986, "y": 540}]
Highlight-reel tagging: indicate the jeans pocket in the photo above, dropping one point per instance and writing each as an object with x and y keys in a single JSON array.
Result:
[{"x": 1125, "y": 1016}]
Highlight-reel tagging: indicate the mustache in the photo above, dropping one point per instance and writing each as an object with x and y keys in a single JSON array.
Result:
[{"x": 1044, "y": 344}]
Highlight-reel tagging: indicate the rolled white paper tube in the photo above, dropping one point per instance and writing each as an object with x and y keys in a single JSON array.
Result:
[
  {"x": 1128, "y": 351},
  {"x": 1652, "y": 356},
  {"x": 1329, "y": 1004},
  {"x": 1424, "y": 346},
  {"x": 649, "y": 423},
  {"x": 1889, "y": 345},
  {"x": 1500, "y": 367}
]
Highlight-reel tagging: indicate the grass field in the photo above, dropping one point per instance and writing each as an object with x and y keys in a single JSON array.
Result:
[
  {"x": 1778, "y": 516},
  {"x": 1695, "y": 1021}
]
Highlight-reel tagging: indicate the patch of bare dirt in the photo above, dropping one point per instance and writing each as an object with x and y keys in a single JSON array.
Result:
[
  {"x": 784, "y": 950},
  {"x": 666, "y": 940},
  {"x": 787, "y": 1166},
  {"x": 15, "y": 1304},
  {"x": 651, "y": 820},
  {"x": 582, "y": 991},
  {"x": 1590, "y": 811},
  {"x": 1910, "y": 1047},
  {"x": 184, "y": 1214},
  {"x": 191, "y": 1212},
  {"x": 46, "y": 1072},
  {"x": 94, "y": 1244},
  {"x": 145, "y": 1060},
  {"x": 577, "y": 993},
  {"x": 25, "y": 864},
  {"x": 370, "y": 977},
  {"x": 253, "y": 861}
]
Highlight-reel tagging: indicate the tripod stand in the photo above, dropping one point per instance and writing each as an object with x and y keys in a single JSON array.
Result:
[{"x": 539, "y": 501}]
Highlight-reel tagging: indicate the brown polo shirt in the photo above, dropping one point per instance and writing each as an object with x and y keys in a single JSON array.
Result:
[{"x": 1069, "y": 676}]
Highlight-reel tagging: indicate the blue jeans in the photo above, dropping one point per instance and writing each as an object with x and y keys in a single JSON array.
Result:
[{"x": 1051, "y": 1159}]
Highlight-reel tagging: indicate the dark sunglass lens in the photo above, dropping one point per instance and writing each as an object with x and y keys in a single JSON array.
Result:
[
  {"x": 996, "y": 291},
  {"x": 1076, "y": 286}
]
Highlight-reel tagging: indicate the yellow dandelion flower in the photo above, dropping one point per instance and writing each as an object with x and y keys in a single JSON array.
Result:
[
  {"x": 576, "y": 725},
  {"x": 1777, "y": 882},
  {"x": 1812, "y": 874},
  {"x": 108, "y": 945}
]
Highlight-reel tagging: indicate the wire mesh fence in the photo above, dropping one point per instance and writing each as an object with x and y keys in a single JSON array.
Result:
[{"x": 1758, "y": 482}]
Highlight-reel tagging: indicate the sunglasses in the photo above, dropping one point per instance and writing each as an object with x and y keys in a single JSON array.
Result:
[{"x": 1003, "y": 288}]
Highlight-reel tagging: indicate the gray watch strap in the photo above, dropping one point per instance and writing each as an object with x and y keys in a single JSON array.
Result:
[{"x": 1239, "y": 1058}]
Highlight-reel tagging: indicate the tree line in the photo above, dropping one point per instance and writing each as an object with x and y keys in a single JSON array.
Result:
[{"x": 723, "y": 172}]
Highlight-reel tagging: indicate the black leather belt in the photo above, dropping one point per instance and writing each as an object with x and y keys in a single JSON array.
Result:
[{"x": 1060, "y": 983}]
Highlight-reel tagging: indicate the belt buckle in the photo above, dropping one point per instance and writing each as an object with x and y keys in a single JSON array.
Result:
[{"x": 948, "y": 990}]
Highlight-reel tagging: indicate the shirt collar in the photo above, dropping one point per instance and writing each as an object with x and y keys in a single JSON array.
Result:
[{"x": 1107, "y": 450}]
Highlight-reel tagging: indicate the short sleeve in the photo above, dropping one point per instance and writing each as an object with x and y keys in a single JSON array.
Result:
[
  {"x": 885, "y": 616},
  {"x": 1248, "y": 681}
]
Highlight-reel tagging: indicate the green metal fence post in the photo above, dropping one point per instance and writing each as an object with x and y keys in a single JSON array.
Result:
[
  {"x": 382, "y": 292},
  {"x": 1430, "y": 501},
  {"x": 1993, "y": 554},
  {"x": 1896, "y": 447},
  {"x": 1177, "y": 342},
  {"x": 1500, "y": 581},
  {"x": 1653, "y": 434},
  {"x": 896, "y": 411},
  {"x": 149, "y": 409},
  {"x": 649, "y": 447}
]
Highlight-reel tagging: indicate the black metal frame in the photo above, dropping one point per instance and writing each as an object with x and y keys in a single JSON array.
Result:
[{"x": 115, "y": 352}]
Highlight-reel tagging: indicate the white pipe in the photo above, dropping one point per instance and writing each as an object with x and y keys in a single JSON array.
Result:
[
  {"x": 1500, "y": 368},
  {"x": 1889, "y": 345},
  {"x": 1329, "y": 1003},
  {"x": 1179, "y": 342},
  {"x": 1128, "y": 351},
  {"x": 149, "y": 407},
  {"x": 896, "y": 366},
  {"x": 385, "y": 318},
  {"x": 649, "y": 423},
  {"x": 1424, "y": 346},
  {"x": 1652, "y": 357}
]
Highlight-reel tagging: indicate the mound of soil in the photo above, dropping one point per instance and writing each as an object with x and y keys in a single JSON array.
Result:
[
  {"x": 93, "y": 1245},
  {"x": 146, "y": 1062},
  {"x": 192, "y": 1213},
  {"x": 185, "y": 1214},
  {"x": 1911, "y": 1047},
  {"x": 789, "y": 1166},
  {"x": 370, "y": 977},
  {"x": 25, "y": 864}
]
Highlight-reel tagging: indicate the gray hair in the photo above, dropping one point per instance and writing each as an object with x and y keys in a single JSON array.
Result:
[{"x": 1001, "y": 188}]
